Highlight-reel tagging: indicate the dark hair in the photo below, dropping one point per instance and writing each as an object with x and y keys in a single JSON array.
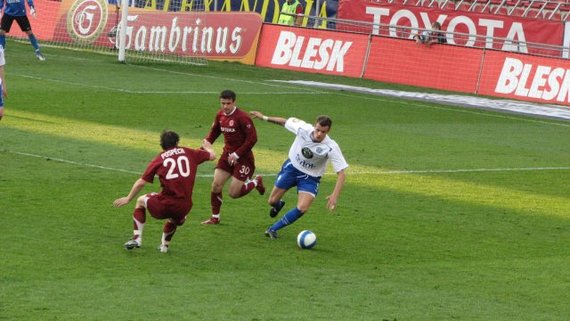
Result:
[
  {"x": 168, "y": 139},
  {"x": 324, "y": 121},
  {"x": 228, "y": 94}
]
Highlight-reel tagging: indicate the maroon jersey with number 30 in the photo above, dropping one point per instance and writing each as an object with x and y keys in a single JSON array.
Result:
[{"x": 239, "y": 132}]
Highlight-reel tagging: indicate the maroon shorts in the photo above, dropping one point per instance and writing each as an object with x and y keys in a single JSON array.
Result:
[
  {"x": 162, "y": 207},
  {"x": 242, "y": 170}
]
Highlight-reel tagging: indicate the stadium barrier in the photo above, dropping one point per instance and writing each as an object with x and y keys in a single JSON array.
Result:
[
  {"x": 85, "y": 23},
  {"x": 444, "y": 67},
  {"x": 386, "y": 55},
  {"x": 184, "y": 37}
]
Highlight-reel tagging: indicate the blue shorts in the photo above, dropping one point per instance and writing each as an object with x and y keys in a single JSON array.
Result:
[{"x": 289, "y": 176}]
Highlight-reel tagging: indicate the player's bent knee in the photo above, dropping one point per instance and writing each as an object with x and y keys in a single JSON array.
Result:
[
  {"x": 141, "y": 201},
  {"x": 303, "y": 208},
  {"x": 217, "y": 188},
  {"x": 233, "y": 194},
  {"x": 178, "y": 221}
]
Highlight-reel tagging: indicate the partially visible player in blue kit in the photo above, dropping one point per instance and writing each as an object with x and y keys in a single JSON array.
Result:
[{"x": 16, "y": 10}]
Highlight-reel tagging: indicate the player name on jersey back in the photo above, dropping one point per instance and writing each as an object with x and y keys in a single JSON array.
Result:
[{"x": 175, "y": 151}]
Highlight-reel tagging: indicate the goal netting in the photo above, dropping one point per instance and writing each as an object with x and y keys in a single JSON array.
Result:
[
  {"x": 168, "y": 31},
  {"x": 138, "y": 30}
]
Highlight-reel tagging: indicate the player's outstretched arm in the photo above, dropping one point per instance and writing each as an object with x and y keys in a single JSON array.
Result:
[
  {"x": 137, "y": 187},
  {"x": 333, "y": 198},
  {"x": 210, "y": 150},
  {"x": 206, "y": 145},
  {"x": 276, "y": 120}
]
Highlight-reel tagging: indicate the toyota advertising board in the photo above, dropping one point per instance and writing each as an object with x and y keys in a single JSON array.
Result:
[{"x": 515, "y": 30}]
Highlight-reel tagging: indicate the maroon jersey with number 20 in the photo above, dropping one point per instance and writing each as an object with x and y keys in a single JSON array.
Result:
[{"x": 176, "y": 170}]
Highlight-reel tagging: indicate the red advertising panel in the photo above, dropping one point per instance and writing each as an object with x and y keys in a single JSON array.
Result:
[
  {"x": 437, "y": 66},
  {"x": 312, "y": 50},
  {"x": 214, "y": 35},
  {"x": 43, "y": 24},
  {"x": 526, "y": 77},
  {"x": 515, "y": 30}
]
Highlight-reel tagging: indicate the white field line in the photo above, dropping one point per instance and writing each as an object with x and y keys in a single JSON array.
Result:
[
  {"x": 350, "y": 172},
  {"x": 162, "y": 92},
  {"x": 302, "y": 87},
  {"x": 460, "y": 170},
  {"x": 305, "y": 91}
]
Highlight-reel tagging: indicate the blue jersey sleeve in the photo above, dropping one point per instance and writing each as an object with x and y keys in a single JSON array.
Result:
[{"x": 16, "y": 8}]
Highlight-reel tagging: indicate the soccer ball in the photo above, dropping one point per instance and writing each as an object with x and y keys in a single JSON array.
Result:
[{"x": 306, "y": 239}]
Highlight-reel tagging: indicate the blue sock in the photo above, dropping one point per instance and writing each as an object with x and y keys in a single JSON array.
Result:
[
  {"x": 3, "y": 41},
  {"x": 34, "y": 42},
  {"x": 287, "y": 219}
]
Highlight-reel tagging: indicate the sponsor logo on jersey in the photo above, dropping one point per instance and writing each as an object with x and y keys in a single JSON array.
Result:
[
  {"x": 307, "y": 152},
  {"x": 304, "y": 163},
  {"x": 228, "y": 129}
]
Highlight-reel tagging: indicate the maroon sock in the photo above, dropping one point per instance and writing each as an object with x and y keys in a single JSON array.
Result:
[
  {"x": 168, "y": 231},
  {"x": 246, "y": 188},
  {"x": 139, "y": 218},
  {"x": 216, "y": 200}
]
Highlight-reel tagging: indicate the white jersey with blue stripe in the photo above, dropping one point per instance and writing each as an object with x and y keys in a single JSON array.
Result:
[
  {"x": 16, "y": 8},
  {"x": 312, "y": 157}
]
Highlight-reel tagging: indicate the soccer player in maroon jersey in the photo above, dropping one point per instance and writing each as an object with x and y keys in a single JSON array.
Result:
[
  {"x": 176, "y": 170},
  {"x": 237, "y": 159}
]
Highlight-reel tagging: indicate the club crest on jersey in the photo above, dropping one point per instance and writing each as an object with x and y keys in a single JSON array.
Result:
[
  {"x": 307, "y": 152},
  {"x": 232, "y": 122}
]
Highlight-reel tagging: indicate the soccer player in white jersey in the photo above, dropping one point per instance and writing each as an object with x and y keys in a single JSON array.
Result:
[
  {"x": 3, "y": 91},
  {"x": 309, "y": 155}
]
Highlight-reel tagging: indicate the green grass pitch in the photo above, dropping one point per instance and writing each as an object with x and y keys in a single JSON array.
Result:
[{"x": 447, "y": 213}]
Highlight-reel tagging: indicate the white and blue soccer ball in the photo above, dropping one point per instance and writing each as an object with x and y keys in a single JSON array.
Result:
[{"x": 306, "y": 239}]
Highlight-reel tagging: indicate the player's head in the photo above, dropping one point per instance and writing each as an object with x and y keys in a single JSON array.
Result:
[
  {"x": 436, "y": 26},
  {"x": 227, "y": 101},
  {"x": 228, "y": 94},
  {"x": 322, "y": 127},
  {"x": 168, "y": 139}
]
